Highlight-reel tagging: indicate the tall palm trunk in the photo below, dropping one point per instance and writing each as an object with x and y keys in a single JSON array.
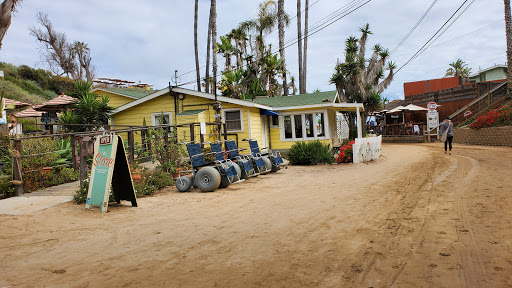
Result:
[
  {"x": 208, "y": 49},
  {"x": 6, "y": 9},
  {"x": 198, "y": 73},
  {"x": 214, "y": 40},
  {"x": 299, "y": 44},
  {"x": 305, "y": 56},
  {"x": 280, "y": 24},
  {"x": 508, "y": 28}
]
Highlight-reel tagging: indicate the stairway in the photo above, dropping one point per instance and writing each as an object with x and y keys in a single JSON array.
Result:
[{"x": 490, "y": 100}]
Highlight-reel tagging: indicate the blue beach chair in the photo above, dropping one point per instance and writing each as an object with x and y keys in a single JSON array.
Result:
[
  {"x": 275, "y": 158},
  {"x": 233, "y": 171},
  {"x": 244, "y": 161},
  {"x": 205, "y": 175}
]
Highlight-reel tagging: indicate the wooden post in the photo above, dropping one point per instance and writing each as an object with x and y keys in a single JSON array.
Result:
[
  {"x": 83, "y": 160},
  {"x": 192, "y": 132},
  {"x": 201, "y": 139},
  {"x": 17, "y": 168},
  {"x": 225, "y": 126},
  {"x": 74, "y": 153},
  {"x": 131, "y": 149},
  {"x": 143, "y": 140}
]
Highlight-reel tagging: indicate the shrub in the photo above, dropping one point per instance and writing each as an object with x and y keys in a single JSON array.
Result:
[
  {"x": 501, "y": 116},
  {"x": 346, "y": 153},
  {"x": 81, "y": 194},
  {"x": 6, "y": 187},
  {"x": 310, "y": 153}
]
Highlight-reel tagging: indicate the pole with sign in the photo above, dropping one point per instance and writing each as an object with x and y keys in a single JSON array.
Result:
[
  {"x": 432, "y": 118},
  {"x": 110, "y": 169}
]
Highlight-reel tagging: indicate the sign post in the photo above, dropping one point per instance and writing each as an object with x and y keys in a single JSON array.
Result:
[
  {"x": 432, "y": 119},
  {"x": 110, "y": 169}
]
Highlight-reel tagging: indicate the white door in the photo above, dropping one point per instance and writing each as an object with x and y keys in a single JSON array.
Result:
[{"x": 264, "y": 131}]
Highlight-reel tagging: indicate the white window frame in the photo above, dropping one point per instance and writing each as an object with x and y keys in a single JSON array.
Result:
[
  {"x": 156, "y": 115},
  {"x": 278, "y": 122},
  {"x": 241, "y": 119},
  {"x": 303, "y": 120}
]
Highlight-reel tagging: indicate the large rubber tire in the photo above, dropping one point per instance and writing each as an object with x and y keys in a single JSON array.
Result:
[
  {"x": 238, "y": 172},
  {"x": 183, "y": 183},
  {"x": 268, "y": 163},
  {"x": 275, "y": 168},
  {"x": 224, "y": 182},
  {"x": 207, "y": 179},
  {"x": 244, "y": 175}
]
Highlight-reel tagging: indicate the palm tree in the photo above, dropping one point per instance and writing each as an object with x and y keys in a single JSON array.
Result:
[
  {"x": 280, "y": 24},
  {"x": 198, "y": 73},
  {"x": 240, "y": 45},
  {"x": 226, "y": 48},
  {"x": 508, "y": 28},
  {"x": 266, "y": 20},
  {"x": 292, "y": 84},
  {"x": 6, "y": 9},
  {"x": 305, "y": 56},
  {"x": 299, "y": 45},
  {"x": 208, "y": 50},
  {"x": 214, "y": 40},
  {"x": 458, "y": 68}
]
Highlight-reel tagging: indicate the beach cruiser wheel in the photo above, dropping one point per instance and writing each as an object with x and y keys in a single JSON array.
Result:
[
  {"x": 238, "y": 172},
  {"x": 207, "y": 179},
  {"x": 183, "y": 184},
  {"x": 268, "y": 163}
]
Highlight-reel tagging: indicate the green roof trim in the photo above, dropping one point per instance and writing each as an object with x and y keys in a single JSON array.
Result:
[
  {"x": 297, "y": 100},
  {"x": 129, "y": 92},
  {"x": 191, "y": 112}
]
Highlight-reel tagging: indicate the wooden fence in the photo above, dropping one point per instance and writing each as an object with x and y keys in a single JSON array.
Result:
[{"x": 84, "y": 142}]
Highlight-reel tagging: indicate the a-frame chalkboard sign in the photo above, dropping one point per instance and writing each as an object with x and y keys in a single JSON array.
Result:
[{"x": 110, "y": 167}]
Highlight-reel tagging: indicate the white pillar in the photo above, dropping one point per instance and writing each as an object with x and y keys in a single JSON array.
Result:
[{"x": 359, "y": 125}]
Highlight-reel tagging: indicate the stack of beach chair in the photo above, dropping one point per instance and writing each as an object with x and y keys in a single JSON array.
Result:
[{"x": 229, "y": 166}]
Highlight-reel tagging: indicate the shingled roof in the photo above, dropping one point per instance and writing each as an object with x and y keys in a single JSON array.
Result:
[{"x": 298, "y": 100}]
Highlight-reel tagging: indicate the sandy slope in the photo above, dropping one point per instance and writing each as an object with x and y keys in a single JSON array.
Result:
[{"x": 414, "y": 218}]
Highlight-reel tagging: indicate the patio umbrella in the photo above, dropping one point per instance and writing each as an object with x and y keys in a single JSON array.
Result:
[
  {"x": 57, "y": 104},
  {"x": 412, "y": 107}
]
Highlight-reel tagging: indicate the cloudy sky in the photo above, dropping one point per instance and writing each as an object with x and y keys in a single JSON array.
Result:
[{"x": 148, "y": 40}]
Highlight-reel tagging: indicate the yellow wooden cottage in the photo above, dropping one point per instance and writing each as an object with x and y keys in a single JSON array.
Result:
[{"x": 276, "y": 122}]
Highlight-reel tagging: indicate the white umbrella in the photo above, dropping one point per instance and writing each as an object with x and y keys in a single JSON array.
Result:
[
  {"x": 412, "y": 107},
  {"x": 397, "y": 109}
]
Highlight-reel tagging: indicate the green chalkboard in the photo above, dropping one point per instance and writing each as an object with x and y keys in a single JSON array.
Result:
[{"x": 109, "y": 168}]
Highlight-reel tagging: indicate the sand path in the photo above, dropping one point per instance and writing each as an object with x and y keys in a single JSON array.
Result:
[{"x": 413, "y": 218}]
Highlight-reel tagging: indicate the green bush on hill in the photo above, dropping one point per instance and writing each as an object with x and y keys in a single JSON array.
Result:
[{"x": 31, "y": 85}]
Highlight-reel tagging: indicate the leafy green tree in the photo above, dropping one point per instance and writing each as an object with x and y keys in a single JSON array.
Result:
[
  {"x": 458, "y": 68},
  {"x": 361, "y": 80}
]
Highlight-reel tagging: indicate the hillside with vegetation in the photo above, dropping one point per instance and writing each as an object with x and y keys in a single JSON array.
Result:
[{"x": 31, "y": 85}]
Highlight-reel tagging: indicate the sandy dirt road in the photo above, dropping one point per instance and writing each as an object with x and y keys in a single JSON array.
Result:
[{"x": 414, "y": 218}]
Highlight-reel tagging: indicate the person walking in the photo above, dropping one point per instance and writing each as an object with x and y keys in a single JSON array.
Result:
[{"x": 446, "y": 132}]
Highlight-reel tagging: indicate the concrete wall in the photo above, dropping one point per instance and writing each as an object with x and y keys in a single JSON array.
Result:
[{"x": 495, "y": 136}]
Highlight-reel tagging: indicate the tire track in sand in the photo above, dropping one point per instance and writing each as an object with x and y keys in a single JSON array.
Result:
[
  {"x": 473, "y": 273},
  {"x": 376, "y": 273}
]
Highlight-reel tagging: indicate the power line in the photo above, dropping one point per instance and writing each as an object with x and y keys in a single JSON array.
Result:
[
  {"x": 414, "y": 27},
  {"x": 272, "y": 30},
  {"x": 420, "y": 50},
  {"x": 458, "y": 37},
  {"x": 310, "y": 33}
]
